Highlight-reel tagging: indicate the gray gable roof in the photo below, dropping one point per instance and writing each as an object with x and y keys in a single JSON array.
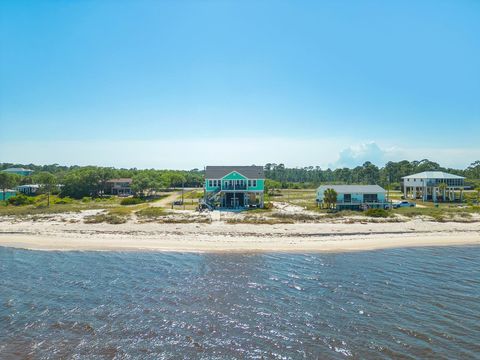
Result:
[
  {"x": 357, "y": 189},
  {"x": 250, "y": 172}
]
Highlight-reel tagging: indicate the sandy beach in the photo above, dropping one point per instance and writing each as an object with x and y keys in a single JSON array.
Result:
[{"x": 67, "y": 232}]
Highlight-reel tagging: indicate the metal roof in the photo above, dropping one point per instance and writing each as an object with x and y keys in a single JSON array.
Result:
[
  {"x": 250, "y": 172},
  {"x": 356, "y": 189},
  {"x": 16, "y": 169},
  {"x": 127, "y": 180},
  {"x": 433, "y": 175}
]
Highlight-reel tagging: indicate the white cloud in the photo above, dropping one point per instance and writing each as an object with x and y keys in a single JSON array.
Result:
[{"x": 357, "y": 155}]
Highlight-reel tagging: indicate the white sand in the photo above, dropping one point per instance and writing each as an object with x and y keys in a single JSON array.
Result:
[{"x": 62, "y": 233}]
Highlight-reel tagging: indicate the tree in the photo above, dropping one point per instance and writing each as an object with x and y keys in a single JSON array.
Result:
[
  {"x": 48, "y": 183},
  {"x": 271, "y": 186},
  {"x": 8, "y": 181},
  {"x": 330, "y": 198}
]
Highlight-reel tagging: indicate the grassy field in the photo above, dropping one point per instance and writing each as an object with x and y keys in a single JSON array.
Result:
[{"x": 300, "y": 197}]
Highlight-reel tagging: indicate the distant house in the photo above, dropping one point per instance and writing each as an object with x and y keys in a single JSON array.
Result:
[
  {"x": 8, "y": 194},
  {"x": 18, "y": 171},
  {"x": 29, "y": 189},
  {"x": 120, "y": 186},
  {"x": 356, "y": 197},
  {"x": 234, "y": 187},
  {"x": 426, "y": 185}
]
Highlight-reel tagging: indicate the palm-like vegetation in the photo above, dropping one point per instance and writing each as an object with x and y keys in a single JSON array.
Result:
[{"x": 330, "y": 198}]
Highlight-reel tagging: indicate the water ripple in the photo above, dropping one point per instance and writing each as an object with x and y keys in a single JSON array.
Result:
[{"x": 402, "y": 303}]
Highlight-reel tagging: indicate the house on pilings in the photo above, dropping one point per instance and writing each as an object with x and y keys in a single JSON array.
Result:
[{"x": 234, "y": 187}]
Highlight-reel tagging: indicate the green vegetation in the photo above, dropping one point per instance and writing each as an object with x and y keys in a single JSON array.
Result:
[
  {"x": 377, "y": 213},
  {"x": 21, "y": 199},
  {"x": 105, "y": 218},
  {"x": 131, "y": 201},
  {"x": 8, "y": 181},
  {"x": 440, "y": 214},
  {"x": 151, "y": 213},
  {"x": 48, "y": 183},
  {"x": 330, "y": 198},
  {"x": 388, "y": 176},
  {"x": 22, "y": 205}
]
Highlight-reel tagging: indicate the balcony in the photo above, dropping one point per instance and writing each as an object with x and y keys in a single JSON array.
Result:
[{"x": 234, "y": 187}]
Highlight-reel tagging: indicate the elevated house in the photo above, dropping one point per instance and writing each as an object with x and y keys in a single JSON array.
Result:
[
  {"x": 120, "y": 187},
  {"x": 234, "y": 187},
  {"x": 427, "y": 185},
  {"x": 19, "y": 171},
  {"x": 355, "y": 197}
]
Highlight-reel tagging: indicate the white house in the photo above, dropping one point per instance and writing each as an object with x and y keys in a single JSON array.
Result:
[
  {"x": 29, "y": 189},
  {"x": 425, "y": 185},
  {"x": 356, "y": 197},
  {"x": 121, "y": 186}
]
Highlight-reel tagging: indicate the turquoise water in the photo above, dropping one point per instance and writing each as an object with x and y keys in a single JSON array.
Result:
[{"x": 402, "y": 303}]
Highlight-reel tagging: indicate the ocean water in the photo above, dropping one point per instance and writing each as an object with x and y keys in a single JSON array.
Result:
[{"x": 402, "y": 303}]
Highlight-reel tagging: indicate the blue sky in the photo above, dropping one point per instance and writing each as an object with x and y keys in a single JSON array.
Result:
[{"x": 182, "y": 84}]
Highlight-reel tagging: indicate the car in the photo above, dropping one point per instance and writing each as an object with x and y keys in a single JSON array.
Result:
[
  {"x": 404, "y": 203},
  {"x": 178, "y": 202}
]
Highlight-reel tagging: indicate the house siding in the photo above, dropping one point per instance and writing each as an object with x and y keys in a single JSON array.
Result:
[{"x": 260, "y": 183}]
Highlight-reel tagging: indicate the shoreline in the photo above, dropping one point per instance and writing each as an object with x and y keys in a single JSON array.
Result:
[
  {"x": 70, "y": 232},
  {"x": 227, "y": 244}
]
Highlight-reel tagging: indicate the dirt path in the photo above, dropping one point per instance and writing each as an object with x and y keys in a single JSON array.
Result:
[{"x": 167, "y": 201}]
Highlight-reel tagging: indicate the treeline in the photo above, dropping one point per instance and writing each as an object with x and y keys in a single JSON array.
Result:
[
  {"x": 368, "y": 173},
  {"x": 81, "y": 181}
]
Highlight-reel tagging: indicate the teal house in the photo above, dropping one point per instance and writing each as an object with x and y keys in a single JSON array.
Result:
[
  {"x": 18, "y": 171},
  {"x": 356, "y": 197},
  {"x": 234, "y": 187},
  {"x": 7, "y": 194}
]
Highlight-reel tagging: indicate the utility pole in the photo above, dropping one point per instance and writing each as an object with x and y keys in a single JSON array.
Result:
[
  {"x": 388, "y": 192},
  {"x": 183, "y": 186}
]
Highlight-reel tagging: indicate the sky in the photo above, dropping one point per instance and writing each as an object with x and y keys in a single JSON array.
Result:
[{"x": 183, "y": 84}]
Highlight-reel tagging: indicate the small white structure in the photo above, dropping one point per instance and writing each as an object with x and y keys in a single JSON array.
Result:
[
  {"x": 29, "y": 189},
  {"x": 426, "y": 185}
]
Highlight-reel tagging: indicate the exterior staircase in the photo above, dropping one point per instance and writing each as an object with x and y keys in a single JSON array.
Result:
[{"x": 211, "y": 198}]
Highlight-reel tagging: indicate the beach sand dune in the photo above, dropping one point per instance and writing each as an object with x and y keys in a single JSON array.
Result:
[{"x": 219, "y": 236}]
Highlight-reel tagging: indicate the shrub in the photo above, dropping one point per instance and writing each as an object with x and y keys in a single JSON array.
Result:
[
  {"x": 86, "y": 199},
  {"x": 151, "y": 212},
  {"x": 377, "y": 213},
  {"x": 21, "y": 199},
  {"x": 131, "y": 201},
  {"x": 100, "y": 218},
  {"x": 64, "y": 200}
]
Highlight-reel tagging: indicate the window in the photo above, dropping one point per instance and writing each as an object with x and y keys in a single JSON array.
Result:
[
  {"x": 210, "y": 183},
  {"x": 249, "y": 183},
  {"x": 254, "y": 182},
  {"x": 370, "y": 198}
]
